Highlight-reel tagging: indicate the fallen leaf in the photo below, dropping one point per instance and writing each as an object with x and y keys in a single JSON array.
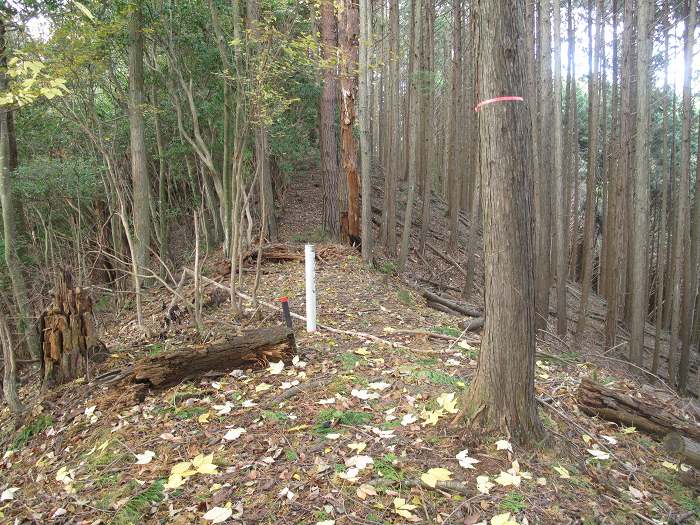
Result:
[
  {"x": 234, "y": 433},
  {"x": 218, "y": 514},
  {"x": 465, "y": 461},
  {"x": 365, "y": 490},
  {"x": 563, "y": 473},
  {"x": 503, "y": 519},
  {"x": 224, "y": 409},
  {"x": 363, "y": 394},
  {"x": 357, "y": 447},
  {"x": 204, "y": 464},
  {"x": 408, "y": 419},
  {"x": 448, "y": 402},
  {"x": 483, "y": 484},
  {"x": 276, "y": 368},
  {"x": 611, "y": 440},
  {"x": 502, "y": 444},
  {"x": 403, "y": 509},
  {"x": 434, "y": 475},
  {"x": 379, "y": 386},
  {"x": 359, "y": 462},
  {"x": 145, "y": 458},
  {"x": 8, "y": 494},
  {"x": 262, "y": 387},
  {"x": 598, "y": 454}
]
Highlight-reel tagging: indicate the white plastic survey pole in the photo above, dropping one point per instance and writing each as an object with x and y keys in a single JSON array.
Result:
[{"x": 310, "y": 258}]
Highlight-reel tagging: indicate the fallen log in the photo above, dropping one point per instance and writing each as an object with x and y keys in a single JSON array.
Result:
[
  {"x": 462, "y": 308},
  {"x": 686, "y": 449},
  {"x": 254, "y": 349},
  {"x": 647, "y": 415}
]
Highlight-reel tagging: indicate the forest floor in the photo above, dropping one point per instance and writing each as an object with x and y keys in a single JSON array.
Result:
[{"x": 367, "y": 423}]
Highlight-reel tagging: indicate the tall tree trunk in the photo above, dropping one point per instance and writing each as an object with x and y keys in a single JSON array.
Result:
[
  {"x": 139, "y": 170},
  {"x": 365, "y": 129},
  {"x": 571, "y": 145},
  {"x": 640, "y": 204},
  {"x": 413, "y": 145},
  {"x": 349, "y": 45},
  {"x": 26, "y": 324},
  {"x": 454, "y": 181},
  {"x": 588, "y": 234},
  {"x": 394, "y": 98},
  {"x": 427, "y": 121},
  {"x": 616, "y": 246},
  {"x": 562, "y": 204},
  {"x": 328, "y": 140},
  {"x": 681, "y": 273},
  {"x": 502, "y": 396},
  {"x": 665, "y": 183},
  {"x": 543, "y": 205}
]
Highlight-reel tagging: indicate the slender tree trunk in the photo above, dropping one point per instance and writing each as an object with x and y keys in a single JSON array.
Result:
[
  {"x": 394, "y": 99},
  {"x": 9, "y": 379},
  {"x": 502, "y": 396},
  {"x": 665, "y": 183},
  {"x": 427, "y": 129},
  {"x": 349, "y": 45},
  {"x": 691, "y": 286},
  {"x": 328, "y": 140},
  {"x": 365, "y": 128},
  {"x": 453, "y": 179},
  {"x": 561, "y": 200},
  {"x": 413, "y": 145},
  {"x": 681, "y": 272},
  {"x": 543, "y": 175},
  {"x": 640, "y": 203},
  {"x": 137, "y": 129},
  {"x": 588, "y": 235},
  {"x": 26, "y": 324}
]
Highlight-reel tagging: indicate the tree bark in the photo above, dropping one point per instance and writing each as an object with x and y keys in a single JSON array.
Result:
[
  {"x": 543, "y": 205},
  {"x": 454, "y": 182},
  {"x": 681, "y": 272},
  {"x": 9, "y": 379},
  {"x": 139, "y": 169},
  {"x": 365, "y": 129},
  {"x": 349, "y": 45},
  {"x": 414, "y": 126},
  {"x": 562, "y": 205},
  {"x": 502, "y": 397},
  {"x": 328, "y": 139},
  {"x": 640, "y": 203},
  {"x": 663, "y": 226},
  {"x": 394, "y": 143}
]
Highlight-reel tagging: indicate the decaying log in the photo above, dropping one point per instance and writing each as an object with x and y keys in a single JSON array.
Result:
[
  {"x": 254, "y": 349},
  {"x": 648, "y": 415},
  {"x": 686, "y": 449},
  {"x": 280, "y": 253},
  {"x": 461, "y": 308},
  {"x": 68, "y": 334}
]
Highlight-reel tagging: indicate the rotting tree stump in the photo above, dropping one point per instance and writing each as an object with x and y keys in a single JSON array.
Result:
[
  {"x": 648, "y": 415},
  {"x": 68, "y": 334}
]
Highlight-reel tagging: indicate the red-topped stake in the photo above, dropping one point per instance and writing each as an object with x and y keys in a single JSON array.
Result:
[{"x": 285, "y": 310}]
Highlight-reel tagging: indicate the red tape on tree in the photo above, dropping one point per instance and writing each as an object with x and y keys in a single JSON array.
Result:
[{"x": 497, "y": 99}]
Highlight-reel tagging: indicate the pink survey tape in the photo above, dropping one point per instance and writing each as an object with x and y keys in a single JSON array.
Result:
[{"x": 497, "y": 99}]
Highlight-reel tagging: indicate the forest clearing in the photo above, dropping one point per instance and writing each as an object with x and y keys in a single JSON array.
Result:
[{"x": 352, "y": 262}]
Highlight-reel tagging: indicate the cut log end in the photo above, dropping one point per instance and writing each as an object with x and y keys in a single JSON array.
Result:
[{"x": 684, "y": 448}]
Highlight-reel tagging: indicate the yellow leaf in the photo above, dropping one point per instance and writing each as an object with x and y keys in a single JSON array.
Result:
[
  {"x": 180, "y": 468},
  {"x": 204, "y": 464},
  {"x": 563, "y": 473},
  {"x": 362, "y": 351},
  {"x": 431, "y": 417},
  {"x": 448, "y": 402},
  {"x": 404, "y": 509},
  {"x": 175, "y": 481},
  {"x": 297, "y": 428},
  {"x": 670, "y": 466},
  {"x": 503, "y": 519},
  {"x": 262, "y": 387},
  {"x": 203, "y": 418},
  {"x": 434, "y": 475},
  {"x": 84, "y": 9}
]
